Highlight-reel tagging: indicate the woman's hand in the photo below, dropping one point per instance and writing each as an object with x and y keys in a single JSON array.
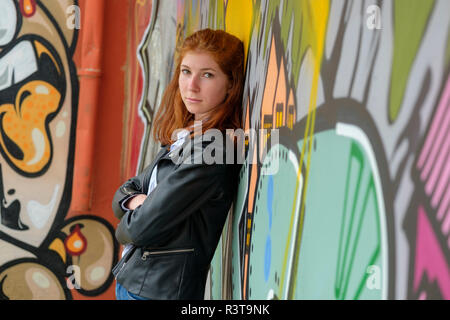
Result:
[{"x": 136, "y": 201}]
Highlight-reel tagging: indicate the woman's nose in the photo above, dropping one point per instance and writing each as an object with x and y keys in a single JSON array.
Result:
[{"x": 193, "y": 83}]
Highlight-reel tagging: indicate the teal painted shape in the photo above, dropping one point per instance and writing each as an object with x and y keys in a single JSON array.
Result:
[
  {"x": 341, "y": 236},
  {"x": 275, "y": 199},
  {"x": 339, "y": 253},
  {"x": 216, "y": 272}
]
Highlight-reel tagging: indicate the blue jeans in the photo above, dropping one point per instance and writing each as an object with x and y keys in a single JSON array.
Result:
[{"x": 124, "y": 294}]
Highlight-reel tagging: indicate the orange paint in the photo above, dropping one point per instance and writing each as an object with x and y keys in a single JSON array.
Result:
[
  {"x": 244, "y": 289},
  {"x": 28, "y": 8},
  {"x": 75, "y": 243},
  {"x": 270, "y": 85},
  {"x": 89, "y": 75},
  {"x": 280, "y": 96},
  {"x": 253, "y": 179}
]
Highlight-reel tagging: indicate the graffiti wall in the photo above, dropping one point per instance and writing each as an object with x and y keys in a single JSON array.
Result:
[
  {"x": 44, "y": 253},
  {"x": 359, "y": 92},
  {"x": 153, "y": 25}
]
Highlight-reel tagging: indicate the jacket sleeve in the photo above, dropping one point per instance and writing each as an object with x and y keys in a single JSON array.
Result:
[
  {"x": 126, "y": 191},
  {"x": 173, "y": 200}
]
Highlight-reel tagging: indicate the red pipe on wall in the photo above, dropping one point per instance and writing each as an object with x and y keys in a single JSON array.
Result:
[{"x": 89, "y": 74}]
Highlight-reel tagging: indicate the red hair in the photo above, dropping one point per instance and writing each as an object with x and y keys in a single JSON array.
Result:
[{"x": 228, "y": 52}]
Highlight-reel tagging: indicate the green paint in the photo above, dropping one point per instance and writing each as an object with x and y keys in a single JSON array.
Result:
[
  {"x": 272, "y": 9},
  {"x": 355, "y": 156},
  {"x": 410, "y": 21},
  {"x": 370, "y": 190}
]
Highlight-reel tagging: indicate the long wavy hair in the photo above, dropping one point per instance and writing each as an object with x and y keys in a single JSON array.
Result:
[{"x": 228, "y": 52}]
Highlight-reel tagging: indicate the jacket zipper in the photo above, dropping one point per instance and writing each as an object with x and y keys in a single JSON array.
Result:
[
  {"x": 121, "y": 268},
  {"x": 126, "y": 257},
  {"x": 150, "y": 253}
]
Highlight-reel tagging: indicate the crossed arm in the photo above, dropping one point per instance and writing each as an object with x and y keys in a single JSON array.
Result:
[{"x": 135, "y": 201}]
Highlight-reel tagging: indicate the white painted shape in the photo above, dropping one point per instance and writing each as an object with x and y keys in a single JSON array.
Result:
[
  {"x": 20, "y": 61},
  {"x": 8, "y": 21},
  {"x": 40, "y": 89},
  {"x": 24, "y": 61},
  {"x": 60, "y": 129},
  {"x": 97, "y": 273},
  {"x": 39, "y": 146},
  {"x": 40, "y": 213},
  {"x": 41, "y": 280}
]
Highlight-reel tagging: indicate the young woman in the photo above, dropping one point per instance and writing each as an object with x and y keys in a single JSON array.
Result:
[{"x": 172, "y": 214}]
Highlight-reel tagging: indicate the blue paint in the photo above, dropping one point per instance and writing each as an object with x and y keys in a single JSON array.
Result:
[
  {"x": 267, "y": 258},
  {"x": 268, "y": 249}
]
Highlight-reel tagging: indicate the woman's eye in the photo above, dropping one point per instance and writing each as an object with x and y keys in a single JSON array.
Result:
[
  {"x": 185, "y": 71},
  {"x": 208, "y": 75}
]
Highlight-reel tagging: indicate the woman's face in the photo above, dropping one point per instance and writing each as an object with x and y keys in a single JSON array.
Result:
[{"x": 203, "y": 85}]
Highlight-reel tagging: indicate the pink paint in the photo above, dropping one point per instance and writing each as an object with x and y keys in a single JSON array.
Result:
[
  {"x": 446, "y": 223},
  {"x": 423, "y": 295},
  {"x": 444, "y": 204},
  {"x": 434, "y": 137},
  {"x": 441, "y": 164},
  {"x": 429, "y": 257},
  {"x": 432, "y": 132}
]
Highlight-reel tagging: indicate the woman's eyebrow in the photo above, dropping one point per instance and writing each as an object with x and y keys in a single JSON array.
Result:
[{"x": 202, "y": 69}]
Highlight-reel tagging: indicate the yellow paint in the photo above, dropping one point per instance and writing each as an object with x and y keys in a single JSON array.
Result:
[
  {"x": 58, "y": 246},
  {"x": 239, "y": 20}
]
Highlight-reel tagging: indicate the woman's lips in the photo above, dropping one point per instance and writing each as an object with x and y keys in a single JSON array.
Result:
[{"x": 192, "y": 100}]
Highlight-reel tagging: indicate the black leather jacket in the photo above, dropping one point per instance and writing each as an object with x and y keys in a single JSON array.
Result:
[{"x": 176, "y": 230}]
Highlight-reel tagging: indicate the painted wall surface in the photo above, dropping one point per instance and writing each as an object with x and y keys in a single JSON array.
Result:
[
  {"x": 48, "y": 251},
  {"x": 152, "y": 34},
  {"x": 359, "y": 91}
]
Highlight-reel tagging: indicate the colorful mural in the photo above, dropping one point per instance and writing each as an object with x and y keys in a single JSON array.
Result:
[
  {"x": 44, "y": 253},
  {"x": 359, "y": 93}
]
